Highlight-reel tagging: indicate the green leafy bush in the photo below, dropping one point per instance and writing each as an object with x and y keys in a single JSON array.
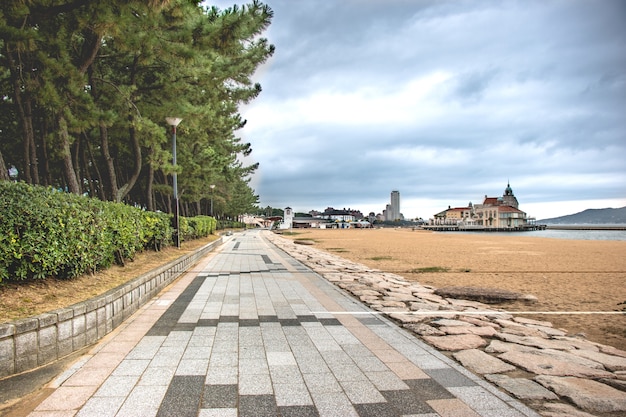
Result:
[{"x": 44, "y": 232}]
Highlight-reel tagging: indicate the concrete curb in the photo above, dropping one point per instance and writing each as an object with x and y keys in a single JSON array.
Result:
[{"x": 39, "y": 340}]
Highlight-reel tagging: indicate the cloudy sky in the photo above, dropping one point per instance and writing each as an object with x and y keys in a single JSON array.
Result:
[{"x": 444, "y": 101}]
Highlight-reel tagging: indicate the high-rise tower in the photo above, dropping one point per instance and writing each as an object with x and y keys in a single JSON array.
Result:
[{"x": 395, "y": 205}]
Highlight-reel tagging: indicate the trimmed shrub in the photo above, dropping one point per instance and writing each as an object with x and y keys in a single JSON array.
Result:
[{"x": 44, "y": 232}]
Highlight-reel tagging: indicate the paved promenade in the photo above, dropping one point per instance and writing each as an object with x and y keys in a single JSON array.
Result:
[{"x": 252, "y": 332}]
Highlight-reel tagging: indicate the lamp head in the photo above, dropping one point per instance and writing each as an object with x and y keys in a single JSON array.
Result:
[{"x": 173, "y": 121}]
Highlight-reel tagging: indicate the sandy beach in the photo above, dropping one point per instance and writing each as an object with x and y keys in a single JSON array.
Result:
[{"x": 586, "y": 276}]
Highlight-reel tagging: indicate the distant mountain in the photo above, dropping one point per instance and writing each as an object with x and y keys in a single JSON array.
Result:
[{"x": 590, "y": 216}]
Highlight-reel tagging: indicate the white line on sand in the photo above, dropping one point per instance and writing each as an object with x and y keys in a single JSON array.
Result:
[{"x": 454, "y": 313}]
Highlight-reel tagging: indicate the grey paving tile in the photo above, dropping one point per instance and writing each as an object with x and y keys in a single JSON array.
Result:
[
  {"x": 370, "y": 364},
  {"x": 101, "y": 407},
  {"x": 168, "y": 356},
  {"x": 117, "y": 386},
  {"x": 146, "y": 348},
  {"x": 220, "y": 396},
  {"x": 257, "y": 406},
  {"x": 292, "y": 394},
  {"x": 449, "y": 377},
  {"x": 376, "y": 410},
  {"x": 386, "y": 380},
  {"x": 281, "y": 359},
  {"x": 349, "y": 372},
  {"x": 479, "y": 399},
  {"x": 131, "y": 367},
  {"x": 362, "y": 392},
  {"x": 224, "y": 358},
  {"x": 298, "y": 411},
  {"x": 182, "y": 397},
  {"x": 197, "y": 352},
  {"x": 285, "y": 374},
  {"x": 222, "y": 375},
  {"x": 192, "y": 367},
  {"x": 429, "y": 389},
  {"x": 334, "y": 404},
  {"x": 255, "y": 384},
  {"x": 154, "y": 376},
  {"x": 322, "y": 382},
  {"x": 218, "y": 412},
  {"x": 143, "y": 401},
  {"x": 251, "y": 366},
  {"x": 406, "y": 402}
]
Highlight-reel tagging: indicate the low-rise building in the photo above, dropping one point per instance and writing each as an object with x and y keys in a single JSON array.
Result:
[{"x": 494, "y": 213}]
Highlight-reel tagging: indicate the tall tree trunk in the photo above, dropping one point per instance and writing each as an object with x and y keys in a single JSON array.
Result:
[
  {"x": 44, "y": 152},
  {"x": 76, "y": 164},
  {"x": 125, "y": 189},
  {"x": 97, "y": 183},
  {"x": 108, "y": 161},
  {"x": 4, "y": 172},
  {"x": 150, "y": 180},
  {"x": 32, "y": 163},
  {"x": 26, "y": 121},
  {"x": 66, "y": 154}
]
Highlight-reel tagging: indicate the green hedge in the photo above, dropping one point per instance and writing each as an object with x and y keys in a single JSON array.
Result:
[{"x": 46, "y": 233}]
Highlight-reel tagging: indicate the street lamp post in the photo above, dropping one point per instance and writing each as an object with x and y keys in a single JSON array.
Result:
[
  {"x": 212, "y": 186},
  {"x": 174, "y": 121}
]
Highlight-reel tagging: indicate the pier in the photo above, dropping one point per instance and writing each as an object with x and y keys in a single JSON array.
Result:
[{"x": 475, "y": 228}]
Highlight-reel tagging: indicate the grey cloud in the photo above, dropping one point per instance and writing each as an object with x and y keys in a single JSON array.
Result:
[{"x": 530, "y": 91}]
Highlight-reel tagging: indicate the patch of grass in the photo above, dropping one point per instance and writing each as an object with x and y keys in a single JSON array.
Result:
[
  {"x": 429, "y": 269},
  {"x": 339, "y": 250},
  {"x": 305, "y": 238},
  {"x": 381, "y": 258}
]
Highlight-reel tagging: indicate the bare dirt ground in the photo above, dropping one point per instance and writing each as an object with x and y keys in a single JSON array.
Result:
[
  {"x": 25, "y": 299},
  {"x": 565, "y": 275}
]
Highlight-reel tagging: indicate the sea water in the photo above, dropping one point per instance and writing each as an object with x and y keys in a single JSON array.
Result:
[{"x": 563, "y": 234}]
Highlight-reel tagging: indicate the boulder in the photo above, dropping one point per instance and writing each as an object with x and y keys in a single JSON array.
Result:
[
  {"x": 563, "y": 410},
  {"x": 587, "y": 394},
  {"x": 540, "y": 363},
  {"x": 485, "y": 331},
  {"x": 610, "y": 362},
  {"x": 456, "y": 342},
  {"x": 482, "y": 363},
  {"x": 522, "y": 388},
  {"x": 423, "y": 329}
]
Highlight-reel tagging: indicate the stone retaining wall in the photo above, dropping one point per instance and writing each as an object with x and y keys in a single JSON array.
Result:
[{"x": 35, "y": 341}]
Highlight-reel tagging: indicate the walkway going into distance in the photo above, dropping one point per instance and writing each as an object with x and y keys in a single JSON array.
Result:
[{"x": 252, "y": 332}]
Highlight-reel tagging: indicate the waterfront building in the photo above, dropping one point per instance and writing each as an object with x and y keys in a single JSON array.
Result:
[{"x": 494, "y": 213}]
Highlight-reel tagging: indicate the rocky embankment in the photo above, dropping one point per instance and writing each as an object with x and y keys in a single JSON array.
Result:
[{"x": 553, "y": 372}]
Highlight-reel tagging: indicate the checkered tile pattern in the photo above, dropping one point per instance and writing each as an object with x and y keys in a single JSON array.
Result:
[{"x": 254, "y": 333}]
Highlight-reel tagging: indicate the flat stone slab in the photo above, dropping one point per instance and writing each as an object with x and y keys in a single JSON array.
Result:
[
  {"x": 486, "y": 331},
  {"x": 483, "y": 294},
  {"x": 610, "y": 362},
  {"x": 522, "y": 388},
  {"x": 587, "y": 394},
  {"x": 563, "y": 410},
  {"x": 481, "y": 362},
  {"x": 456, "y": 342},
  {"x": 542, "y": 364}
]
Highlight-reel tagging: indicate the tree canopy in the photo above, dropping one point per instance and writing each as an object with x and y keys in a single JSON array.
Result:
[{"x": 85, "y": 87}]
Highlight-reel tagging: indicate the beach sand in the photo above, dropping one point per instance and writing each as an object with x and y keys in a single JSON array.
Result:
[{"x": 565, "y": 275}]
